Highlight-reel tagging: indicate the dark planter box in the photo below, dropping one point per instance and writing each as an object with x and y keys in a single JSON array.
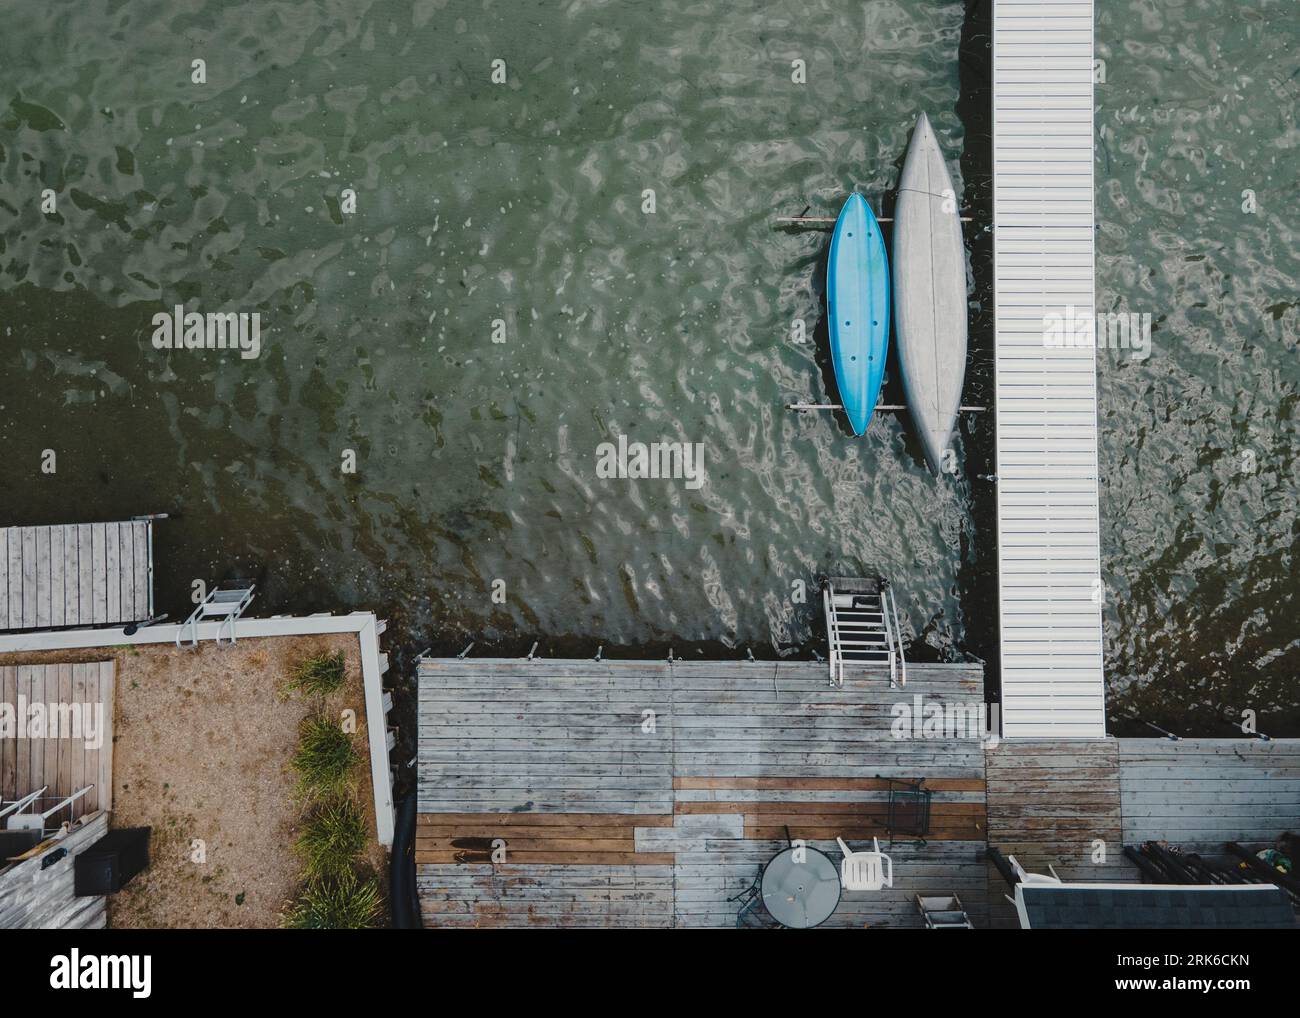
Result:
[{"x": 107, "y": 865}]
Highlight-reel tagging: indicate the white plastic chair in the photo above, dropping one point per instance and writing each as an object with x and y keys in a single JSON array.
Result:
[
  {"x": 865, "y": 871},
  {"x": 1033, "y": 878}
]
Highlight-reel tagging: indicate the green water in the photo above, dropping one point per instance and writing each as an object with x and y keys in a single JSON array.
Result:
[
  {"x": 523, "y": 202},
  {"x": 1199, "y": 442}
]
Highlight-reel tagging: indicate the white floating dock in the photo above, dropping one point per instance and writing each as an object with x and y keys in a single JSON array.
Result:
[
  {"x": 1049, "y": 562},
  {"x": 83, "y": 574}
]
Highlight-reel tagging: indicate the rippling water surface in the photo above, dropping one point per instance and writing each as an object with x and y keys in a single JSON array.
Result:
[
  {"x": 1199, "y": 442},
  {"x": 523, "y": 202}
]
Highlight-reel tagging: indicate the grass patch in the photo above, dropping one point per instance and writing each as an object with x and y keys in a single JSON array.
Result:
[
  {"x": 325, "y": 758},
  {"x": 348, "y": 902},
  {"x": 333, "y": 838},
  {"x": 321, "y": 673}
]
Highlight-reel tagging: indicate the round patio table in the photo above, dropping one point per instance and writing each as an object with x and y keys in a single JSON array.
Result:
[{"x": 800, "y": 895}]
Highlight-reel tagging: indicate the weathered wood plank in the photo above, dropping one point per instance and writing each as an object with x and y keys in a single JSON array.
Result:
[
  {"x": 23, "y": 767},
  {"x": 85, "y": 574},
  {"x": 143, "y": 578},
  {"x": 8, "y": 747},
  {"x": 67, "y": 748},
  {"x": 4, "y": 578},
  {"x": 71, "y": 577},
  {"x": 112, "y": 573},
  {"x": 126, "y": 571},
  {"x": 78, "y": 747},
  {"x": 107, "y": 693},
  {"x": 14, "y": 541},
  {"x": 99, "y": 575},
  {"x": 58, "y": 602},
  {"x": 29, "y": 577},
  {"x": 44, "y": 579},
  {"x": 545, "y": 820},
  {"x": 49, "y": 749}
]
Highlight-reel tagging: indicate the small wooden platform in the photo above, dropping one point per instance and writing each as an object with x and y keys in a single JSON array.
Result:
[
  {"x": 85, "y": 574},
  {"x": 648, "y": 793},
  {"x": 66, "y": 762},
  {"x": 1051, "y": 802},
  {"x": 1055, "y": 804}
]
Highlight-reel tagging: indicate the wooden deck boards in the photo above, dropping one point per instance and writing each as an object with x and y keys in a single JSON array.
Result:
[
  {"x": 610, "y": 816},
  {"x": 68, "y": 761},
  {"x": 79, "y": 575},
  {"x": 647, "y": 794},
  {"x": 1200, "y": 793},
  {"x": 1058, "y": 804}
]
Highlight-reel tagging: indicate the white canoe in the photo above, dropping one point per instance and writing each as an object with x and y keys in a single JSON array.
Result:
[{"x": 930, "y": 293}]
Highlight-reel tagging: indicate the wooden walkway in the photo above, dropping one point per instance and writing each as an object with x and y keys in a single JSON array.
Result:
[
  {"x": 85, "y": 574},
  {"x": 1055, "y": 804},
  {"x": 73, "y": 758},
  {"x": 647, "y": 794},
  {"x": 1049, "y": 559}
]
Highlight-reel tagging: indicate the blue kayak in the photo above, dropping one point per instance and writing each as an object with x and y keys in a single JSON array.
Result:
[{"x": 857, "y": 302}]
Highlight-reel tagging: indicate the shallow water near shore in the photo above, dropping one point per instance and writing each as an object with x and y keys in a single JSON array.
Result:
[{"x": 523, "y": 203}]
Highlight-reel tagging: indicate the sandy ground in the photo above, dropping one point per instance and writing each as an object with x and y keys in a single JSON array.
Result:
[{"x": 202, "y": 741}]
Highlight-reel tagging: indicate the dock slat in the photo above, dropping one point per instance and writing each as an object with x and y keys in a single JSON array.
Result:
[{"x": 112, "y": 572}]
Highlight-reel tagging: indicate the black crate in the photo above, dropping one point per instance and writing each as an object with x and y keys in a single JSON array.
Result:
[{"x": 107, "y": 865}]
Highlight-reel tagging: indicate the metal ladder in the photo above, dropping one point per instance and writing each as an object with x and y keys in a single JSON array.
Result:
[
  {"x": 943, "y": 912},
  {"x": 862, "y": 625},
  {"x": 226, "y": 603}
]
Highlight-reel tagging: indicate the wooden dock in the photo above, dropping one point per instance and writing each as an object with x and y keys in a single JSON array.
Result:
[
  {"x": 644, "y": 793},
  {"x": 85, "y": 574},
  {"x": 649, "y": 793},
  {"x": 66, "y": 762}
]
